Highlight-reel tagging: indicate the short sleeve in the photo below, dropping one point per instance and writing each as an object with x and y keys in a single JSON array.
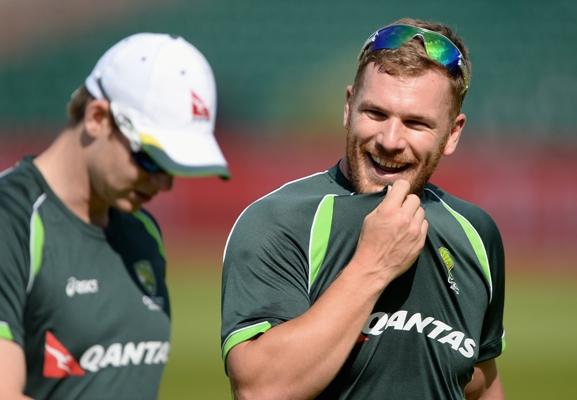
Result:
[
  {"x": 264, "y": 280},
  {"x": 14, "y": 273},
  {"x": 493, "y": 334}
]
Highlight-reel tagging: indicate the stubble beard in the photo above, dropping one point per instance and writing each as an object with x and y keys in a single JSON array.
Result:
[{"x": 359, "y": 180}]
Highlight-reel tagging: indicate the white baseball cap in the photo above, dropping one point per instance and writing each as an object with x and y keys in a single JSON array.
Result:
[{"x": 162, "y": 95}]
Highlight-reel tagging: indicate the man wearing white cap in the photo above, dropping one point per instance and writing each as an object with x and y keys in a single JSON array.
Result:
[{"x": 84, "y": 310}]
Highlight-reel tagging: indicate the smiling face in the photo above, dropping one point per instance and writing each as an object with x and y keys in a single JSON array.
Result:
[{"x": 398, "y": 127}]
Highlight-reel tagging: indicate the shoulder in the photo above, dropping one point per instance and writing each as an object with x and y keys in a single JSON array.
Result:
[
  {"x": 464, "y": 211},
  {"x": 290, "y": 204},
  {"x": 139, "y": 226},
  {"x": 141, "y": 219},
  {"x": 283, "y": 217},
  {"x": 20, "y": 196}
]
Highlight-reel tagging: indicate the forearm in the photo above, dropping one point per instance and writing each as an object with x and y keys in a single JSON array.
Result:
[
  {"x": 299, "y": 358},
  {"x": 485, "y": 383},
  {"x": 495, "y": 391},
  {"x": 8, "y": 394},
  {"x": 12, "y": 370}
]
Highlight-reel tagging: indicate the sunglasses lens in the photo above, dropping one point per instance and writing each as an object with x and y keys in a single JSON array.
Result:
[
  {"x": 145, "y": 162},
  {"x": 438, "y": 47},
  {"x": 441, "y": 50},
  {"x": 393, "y": 37}
]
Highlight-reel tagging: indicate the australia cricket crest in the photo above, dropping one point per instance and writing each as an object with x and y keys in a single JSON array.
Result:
[
  {"x": 449, "y": 264},
  {"x": 145, "y": 274}
]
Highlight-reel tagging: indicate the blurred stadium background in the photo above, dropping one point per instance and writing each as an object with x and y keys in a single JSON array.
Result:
[{"x": 281, "y": 68}]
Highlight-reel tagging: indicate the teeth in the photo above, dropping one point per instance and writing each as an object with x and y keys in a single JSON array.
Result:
[{"x": 385, "y": 163}]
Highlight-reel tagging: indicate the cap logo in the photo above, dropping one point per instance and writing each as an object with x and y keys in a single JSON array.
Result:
[{"x": 199, "y": 109}]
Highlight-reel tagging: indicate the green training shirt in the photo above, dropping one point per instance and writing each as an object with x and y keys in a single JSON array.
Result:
[
  {"x": 89, "y": 306},
  {"x": 429, "y": 327}
]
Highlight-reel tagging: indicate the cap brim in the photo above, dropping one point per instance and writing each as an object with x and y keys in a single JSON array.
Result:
[
  {"x": 185, "y": 170},
  {"x": 191, "y": 151}
]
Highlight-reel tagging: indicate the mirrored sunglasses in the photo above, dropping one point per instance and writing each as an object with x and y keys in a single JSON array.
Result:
[
  {"x": 146, "y": 162},
  {"x": 438, "y": 47}
]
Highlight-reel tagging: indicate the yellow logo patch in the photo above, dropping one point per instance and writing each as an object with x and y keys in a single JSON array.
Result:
[{"x": 447, "y": 258}]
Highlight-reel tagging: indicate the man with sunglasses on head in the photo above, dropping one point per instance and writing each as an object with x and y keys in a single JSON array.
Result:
[
  {"x": 84, "y": 308},
  {"x": 365, "y": 281}
]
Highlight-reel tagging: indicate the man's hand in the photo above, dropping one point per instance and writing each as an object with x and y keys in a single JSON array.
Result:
[{"x": 393, "y": 234}]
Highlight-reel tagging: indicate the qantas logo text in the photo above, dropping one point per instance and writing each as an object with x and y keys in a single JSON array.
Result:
[
  {"x": 433, "y": 328},
  {"x": 59, "y": 363},
  {"x": 121, "y": 355}
]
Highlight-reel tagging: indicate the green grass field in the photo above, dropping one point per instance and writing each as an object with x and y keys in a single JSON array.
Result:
[
  {"x": 195, "y": 370},
  {"x": 540, "y": 361}
]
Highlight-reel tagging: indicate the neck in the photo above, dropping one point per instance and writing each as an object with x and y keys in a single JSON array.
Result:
[
  {"x": 63, "y": 165},
  {"x": 344, "y": 167}
]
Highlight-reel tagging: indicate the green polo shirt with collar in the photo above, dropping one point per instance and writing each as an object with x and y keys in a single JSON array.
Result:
[
  {"x": 88, "y": 306},
  {"x": 429, "y": 327}
]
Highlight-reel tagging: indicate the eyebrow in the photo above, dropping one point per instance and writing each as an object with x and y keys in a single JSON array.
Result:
[{"x": 407, "y": 117}]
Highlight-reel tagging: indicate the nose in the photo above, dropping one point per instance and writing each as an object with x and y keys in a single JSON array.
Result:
[
  {"x": 162, "y": 181},
  {"x": 392, "y": 135}
]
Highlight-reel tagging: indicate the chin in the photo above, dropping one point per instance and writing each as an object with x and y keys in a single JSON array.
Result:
[
  {"x": 367, "y": 187},
  {"x": 371, "y": 182}
]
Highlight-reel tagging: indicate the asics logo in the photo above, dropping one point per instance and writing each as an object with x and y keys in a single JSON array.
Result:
[{"x": 77, "y": 286}]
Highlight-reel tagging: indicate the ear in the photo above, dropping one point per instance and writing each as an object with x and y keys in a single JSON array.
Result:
[
  {"x": 97, "y": 118},
  {"x": 455, "y": 134},
  {"x": 348, "y": 106}
]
